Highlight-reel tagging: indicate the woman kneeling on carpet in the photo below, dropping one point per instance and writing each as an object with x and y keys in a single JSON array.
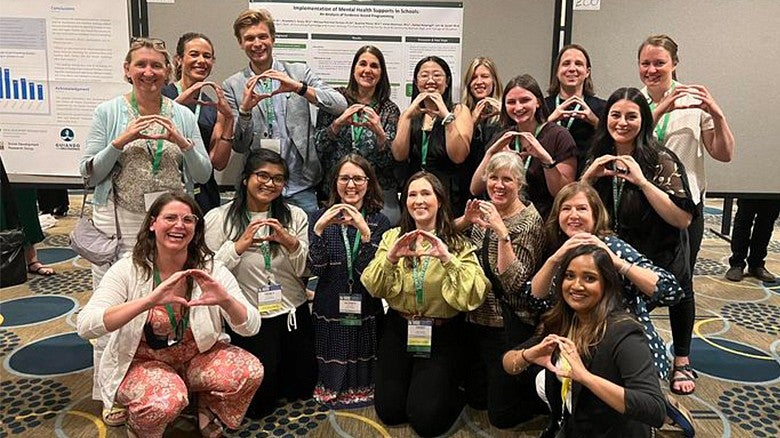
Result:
[{"x": 164, "y": 308}]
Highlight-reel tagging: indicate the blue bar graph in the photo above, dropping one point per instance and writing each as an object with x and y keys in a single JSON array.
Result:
[{"x": 19, "y": 89}]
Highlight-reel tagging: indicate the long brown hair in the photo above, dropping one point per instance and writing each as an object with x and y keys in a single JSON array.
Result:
[
  {"x": 445, "y": 225},
  {"x": 373, "y": 200},
  {"x": 563, "y": 321},
  {"x": 145, "y": 250},
  {"x": 555, "y": 83}
]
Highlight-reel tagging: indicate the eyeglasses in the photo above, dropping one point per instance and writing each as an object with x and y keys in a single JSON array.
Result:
[
  {"x": 187, "y": 219},
  {"x": 264, "y": 177},
  {"x": 358, "y": 180},
  {"x": 436, "y": 76},
  {"x": 156, "y": 43}
]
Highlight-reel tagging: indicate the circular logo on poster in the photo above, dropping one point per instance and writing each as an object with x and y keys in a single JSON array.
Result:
[{"x": 67, "y": 134}]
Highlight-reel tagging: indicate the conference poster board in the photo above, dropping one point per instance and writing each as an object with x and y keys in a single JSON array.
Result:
[
  {"x": 58, "y": 61},
  {"x": 326, "y": 35}
]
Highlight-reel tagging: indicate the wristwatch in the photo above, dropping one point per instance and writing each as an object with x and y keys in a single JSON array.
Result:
[
  {"x": 551, "y": 165},
  {"x": 506, "y": 238},
  {"x": 449, "y": 118}
]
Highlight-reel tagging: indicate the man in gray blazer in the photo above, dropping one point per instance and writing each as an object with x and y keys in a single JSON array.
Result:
[{"x": 271, "y": 101}]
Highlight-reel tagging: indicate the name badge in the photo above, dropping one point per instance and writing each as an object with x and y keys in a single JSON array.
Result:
[
  {"x": 149, "y": 199},
  {"x": 269, "y": 298},
  {"x": 350, "y": 309},
  {"x": 273, "y": 144},
  {"x": 419, "y": 337}
]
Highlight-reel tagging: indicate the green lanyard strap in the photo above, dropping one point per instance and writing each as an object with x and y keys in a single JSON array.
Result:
[
  {"x": 357, "y": 131},
  {"x": 424, "y": 150},
  {"x": 265, "y": 247},
  {"x": 571, "y": 119},
  {"x": 617, "y": 194},
  {"x": 180, "y": 326},
  {"x": 660, "y": 128},
  {"x": 352, "y": 252},
  {"x": 418, "y": 275},
  {"x": 266, "y": 86},
  {"x": 537, "y": 130},
  {"x": 157, "y": 155}
]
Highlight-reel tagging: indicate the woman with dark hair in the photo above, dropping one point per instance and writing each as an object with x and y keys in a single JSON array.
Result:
[
  {"x": 547, "y": 149},
  {"x": 574, "y": 102},
  {"x": 645, "y": 187},
  {"x": 343, "y": 239},
  {"x": 428, "y": 274},
  {"x": 265, "y": 243},
  {"x": 367, "y": 127},
  {"x": 510, "y": 235},
  {"x": 616, "y": 393},
  {"x": 164, "y": 311},
  {"x": 193, "y": 63},
  {"x": 434, "y": 134}
]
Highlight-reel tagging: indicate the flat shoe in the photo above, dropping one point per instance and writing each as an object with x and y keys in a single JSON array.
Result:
[
  {"x": 734, "y": 274},
  {"x": 680, "y": 417},
  {"x": 688, "y": 374},
  {"x": 762, "y": 274},
  {"x": 115, "y": 416},
  {"x": 39, "y": 268}
]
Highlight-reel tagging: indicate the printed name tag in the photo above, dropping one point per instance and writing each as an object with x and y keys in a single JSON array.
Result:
[
  {"x": 350, "y": 309},
  {"x": 269, "y": 298},
  {"x": 149, "y": 199},
  {"x": 419, "y": 337},
  {"x": 273, "y": 144}
]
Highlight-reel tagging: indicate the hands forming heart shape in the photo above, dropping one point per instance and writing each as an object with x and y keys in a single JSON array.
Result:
[
  {"x": 170, "y": 291},
  {"x": 419, "y": 243}
]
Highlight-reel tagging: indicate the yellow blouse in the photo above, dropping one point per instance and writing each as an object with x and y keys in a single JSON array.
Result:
[{"x": 449, "y": 288}]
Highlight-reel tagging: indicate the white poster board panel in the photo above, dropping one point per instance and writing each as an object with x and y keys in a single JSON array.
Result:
[
  {"x": 58, "y": 60},
  {"x": 327, "y": 35}
]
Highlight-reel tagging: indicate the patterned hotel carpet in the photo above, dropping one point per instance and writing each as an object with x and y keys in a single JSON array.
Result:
[{"x": 46, "y": 377}]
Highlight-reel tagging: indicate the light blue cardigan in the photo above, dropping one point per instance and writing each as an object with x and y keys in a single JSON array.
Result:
[{"x": 110, "y": 121}]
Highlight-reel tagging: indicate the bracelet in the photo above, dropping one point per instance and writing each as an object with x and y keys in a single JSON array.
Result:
[
  {"x": 304, "y": 88},
  {"x": 449, "y": 118},
  {"x": 228, "y": 139},
  {"x": 518, "y": 369},
  {"x": 625, "y": 268}
]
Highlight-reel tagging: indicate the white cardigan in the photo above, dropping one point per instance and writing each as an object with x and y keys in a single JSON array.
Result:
[{"x": 125, "y": 282}]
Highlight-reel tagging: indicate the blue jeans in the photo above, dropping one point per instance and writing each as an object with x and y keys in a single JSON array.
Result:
[{"x": 306, "y": 199}]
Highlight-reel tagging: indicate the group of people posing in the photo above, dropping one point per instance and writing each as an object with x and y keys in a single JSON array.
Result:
[{"x": 531, "y": 239}]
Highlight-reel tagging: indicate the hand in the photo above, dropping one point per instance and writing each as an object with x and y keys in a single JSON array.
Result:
[
  {"x": 568, "y": 350},
  {"x": 600, "y": 167},
  {"x": 223, "y": 107},
  {"x": 682, "y": 97},
  {"x": 251, "y": 98},
  {"x": 286, "y": 83},
  {"x": 490, "y": 218},
  {"x": 190, "y": 95},
  {"x": 170, "y": 291},
  {"x": 503, "y": 143},
  {"x": 280, "y": 234},
  {"x": 708, "y": 103},
  {"x": 212, "y": 292},
  {"x": 438, "y": 248},
  {"x": 480, "y": 111},
  {"x": 541, "y": 353},
  {"x": 472, "y": 214},
  {"x": 414, "y": 109},
  {"x": 247, "y": 238},
  {"x": 566, "y": 111},
  {"x": 403, "y": 247},
  {"x": 434, "y": 106},
  {"x": 134, "y": 130},
  {"x": 531, "y": 146},
  {"x": 169, "y": 133},
  {"x": 346, "y": 117},
  {"x": 633, "y": 173},
  {"x": 352, "y": 217},
  {"x": 372, "y": 120}
]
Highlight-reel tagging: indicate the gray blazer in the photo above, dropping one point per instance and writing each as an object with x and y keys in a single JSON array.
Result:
[{"x": 299, "y": 117}]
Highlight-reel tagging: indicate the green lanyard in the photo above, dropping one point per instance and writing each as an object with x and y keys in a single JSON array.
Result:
[
  {"x": 660, "y": 128},
  {"x": 197, "y": 107},
  {"x": 157, "y": 156},
  {"x": 180, "y": 326},
  {"x": 527, "y": 163},
  {"x": 617, "y": 193},
  {"x": 266, "y": 86},
  {"x": 357, "y": 131},
  {"x": 418, "y": 275},
  {"x": 424, "y": 150},
  {"x": 265, "y": 247},
  {"x": 352, "y": 252},
  {"x": 571, "y": 119}
]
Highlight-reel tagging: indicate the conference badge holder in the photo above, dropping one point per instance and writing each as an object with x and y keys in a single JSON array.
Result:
[
  {"x": 419, "y": 337},
  {"x": 269, "y": 298},
  {"x": 350, "y": 308}
]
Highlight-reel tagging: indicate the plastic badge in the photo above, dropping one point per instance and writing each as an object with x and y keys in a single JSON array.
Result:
[{"x": 419, "y": 337}]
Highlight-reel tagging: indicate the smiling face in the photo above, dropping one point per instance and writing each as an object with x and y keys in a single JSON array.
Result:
[
  {"x": 431, "y": 78},
  {"x": 197, "y": 60},
  {"x": 656, "y": 67},
  {"x": 582, "y": 285},
  {"x": 623, "y": 122},
  {"x": 347, "y": 186},
  {"x": 481, "y": 84},
  {"x": 573, "y": 69},
  {"x": 261, "y": 188},
  {"x": 503, "y": 188},
  {"x": 174, "y": 227},
  {"x": 521, "y": 105},
  {"x": 147, "y": 69},
  {"x": 576, "y": 215},
  {"x": 256, "y": 41},
  {"x": 367, "y": 72},
  {"x": 422, "y": 203}
]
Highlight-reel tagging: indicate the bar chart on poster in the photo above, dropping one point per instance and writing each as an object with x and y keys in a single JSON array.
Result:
[{"x": 58, "y": 61}]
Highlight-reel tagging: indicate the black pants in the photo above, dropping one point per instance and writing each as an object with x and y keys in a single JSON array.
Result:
[
  {"x": 424, "y": 392},
  {"x": 53, "y": 201},
  {"x": 287, "y": 357},
  {"x": 510, "y": 400},
  {"x": 682, "y": 314},
  {"x": 753, "y": 225}
]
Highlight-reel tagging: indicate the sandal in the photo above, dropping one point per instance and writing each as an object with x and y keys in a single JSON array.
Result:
[
  {"x": 209, "y": 424},
  {"x": 679, "y": 417},
  {"x": 688, "y": 374},
  {"x": 39, "y": 268},
  {"x": 116, "y": 416}
]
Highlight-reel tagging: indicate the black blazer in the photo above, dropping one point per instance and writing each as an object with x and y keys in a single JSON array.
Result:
[{"x": 624, "y": 358}]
